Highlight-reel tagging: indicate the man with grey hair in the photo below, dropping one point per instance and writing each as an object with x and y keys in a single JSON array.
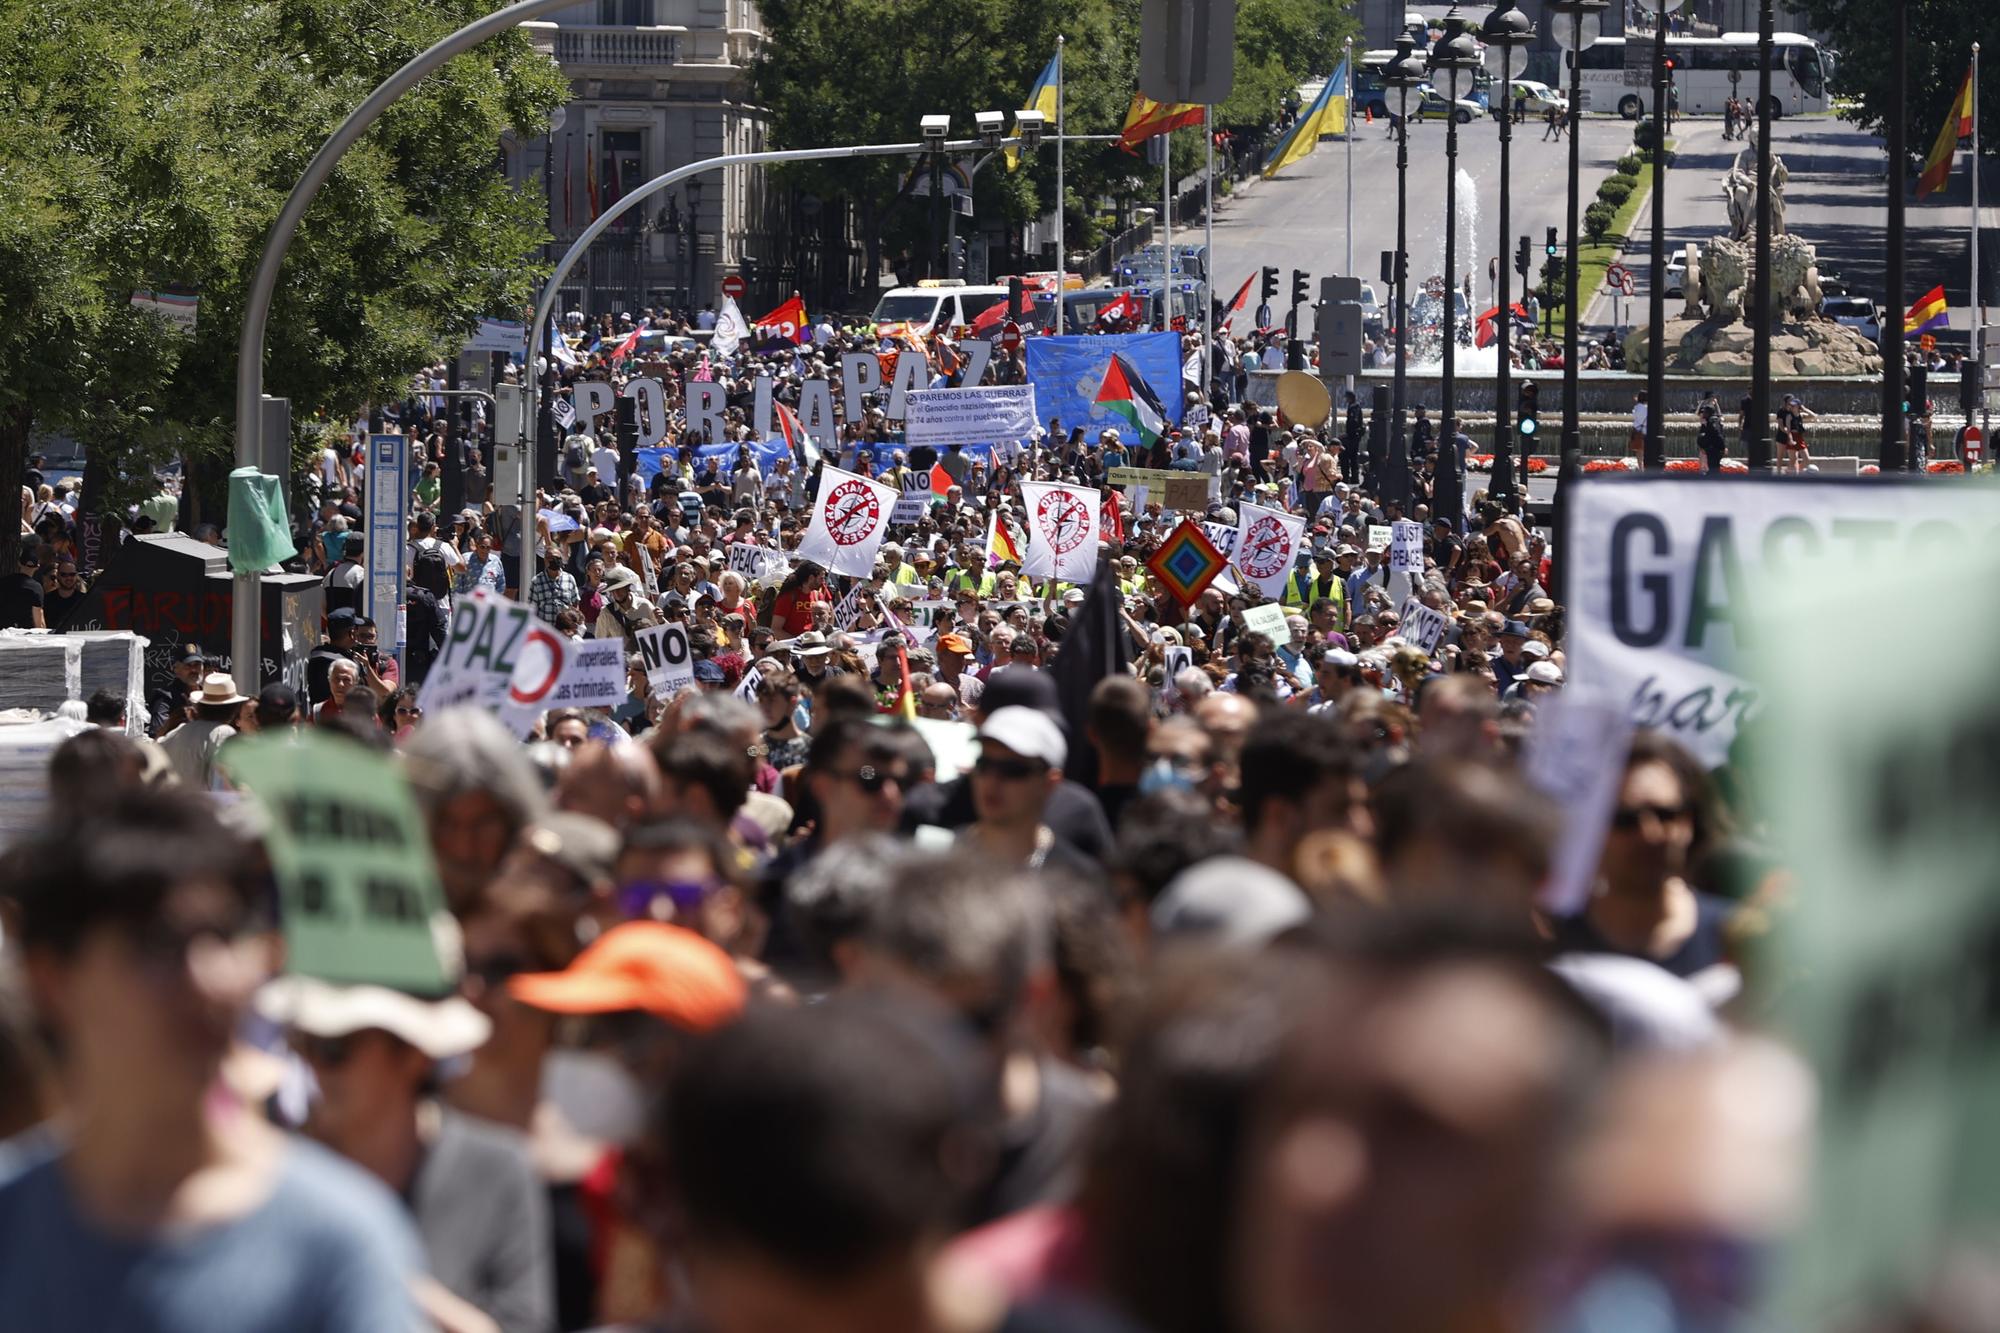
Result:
[
  {"x": 962, "y": 932},
  {"x": 476, "y": 790}
]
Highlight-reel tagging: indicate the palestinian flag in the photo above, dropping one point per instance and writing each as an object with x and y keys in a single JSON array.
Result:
[{"x": 1124, "y": 391}]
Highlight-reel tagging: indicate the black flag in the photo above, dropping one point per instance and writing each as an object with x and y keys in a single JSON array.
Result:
[{"x": 1093, "y": 647}]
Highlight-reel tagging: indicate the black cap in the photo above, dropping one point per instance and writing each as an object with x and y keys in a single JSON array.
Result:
[
  {"x": 192, "y": 653},
  {"x": 278, "y": 698}
]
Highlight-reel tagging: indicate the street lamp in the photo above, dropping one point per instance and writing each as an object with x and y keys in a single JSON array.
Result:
[
  {"x": 1455, "y": 52},
  {"x": 936, "y": 128},
  {"x": 1576, "y": 36},
  {"x": 1506, "y": 27},
  {"x": 1404, "y": 71},
  {"x": 1656, "y": 296}
]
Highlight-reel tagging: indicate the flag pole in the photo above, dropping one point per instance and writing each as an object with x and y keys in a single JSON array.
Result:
[
  {"x": 1062, "y": 265},
  {"x": 1208, "y": 254},
  {"x": 1347, "y": 120},
  {"x": 1978, "y": 304},
  {"x": 1167, "y": 219}
]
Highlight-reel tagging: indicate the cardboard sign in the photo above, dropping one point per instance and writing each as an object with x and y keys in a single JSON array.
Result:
[
  {"x": 1269, "y": 619},
  {"x": 1176, "y": 658},
  {"x": 1420, "y": 626},
  {"x": 915, "y": 501},
  {"x": 481, "y": 651},
  {"x": 1155, "y": 478},
  {"x": 593, "y": 674},
  {"x": 1406, "y": 547},
  {"x": 358, "y": 892},
  {"x": 1186, "y": 490},
  {"x": 1378, "y": 536},
  {"x": 669, "y": 661}
]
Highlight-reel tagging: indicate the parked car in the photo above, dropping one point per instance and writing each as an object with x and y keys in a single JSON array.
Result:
[
  {"x": 1371, "y": 312},
  {"x": 1856, "y": 312},
  {"x": 1677, "y": 267},
  {"x": 1434, "y": 105}
]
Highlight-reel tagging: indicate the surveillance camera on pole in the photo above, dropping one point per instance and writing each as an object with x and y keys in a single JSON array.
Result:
[
  {"x": 936, "y": 129},
  {"x": 1029, "y": 125},
  {"x": 992, "y": 127}
]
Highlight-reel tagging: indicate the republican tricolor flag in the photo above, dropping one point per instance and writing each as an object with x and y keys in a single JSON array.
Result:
[{"x": 1929, "y": 312}]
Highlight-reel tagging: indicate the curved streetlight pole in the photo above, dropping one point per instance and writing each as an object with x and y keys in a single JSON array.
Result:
[{"x": 246, "y": 612}]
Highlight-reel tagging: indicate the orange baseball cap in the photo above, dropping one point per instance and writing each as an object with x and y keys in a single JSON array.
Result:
[{"x": 673, "y": 974}]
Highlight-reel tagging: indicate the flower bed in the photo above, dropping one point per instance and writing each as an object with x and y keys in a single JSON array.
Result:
[
  {"x": 1946, "y": 466},
  {"x": 1536, "y": 467},
  {"x": 1600, "y": 465}
]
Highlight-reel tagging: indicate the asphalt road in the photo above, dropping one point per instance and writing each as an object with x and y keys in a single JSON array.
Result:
[
  {"x": 1298, "y": 218},
  {"x": 1836, "y": 198}
]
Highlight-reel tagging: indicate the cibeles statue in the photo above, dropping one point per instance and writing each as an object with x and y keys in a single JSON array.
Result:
[{"x": 1739, "y": 191}]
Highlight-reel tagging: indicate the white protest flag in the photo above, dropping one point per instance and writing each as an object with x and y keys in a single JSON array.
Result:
[
  {"x": 538, "y": 669},
  {"x": 1420, "y": 625},
  {"x": 746, "y": 689},
  {"x": 731, "y": 329},
  {"x": 1062, "y": 531},
  {"x": 848, "y": 523},
  {"x": 563, "y": 411},
  {"x": 1267, "y": 544}
]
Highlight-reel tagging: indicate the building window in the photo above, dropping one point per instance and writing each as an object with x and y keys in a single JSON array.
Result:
[
  {"x": 625, "y": 13},
  {"x": 621, "y": 165}
]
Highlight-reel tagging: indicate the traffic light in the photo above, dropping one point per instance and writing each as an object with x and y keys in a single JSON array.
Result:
[
  {"x": 1300, "y": 279},
  {"x": 1016, "y": 307},
  {"x": 1389, "y": 268},
  {"x": 1527, "y": 410},
  {"x": 1523, "y": 258},
  {"x": 1670, "y": 67},
  {"x": 1269, "y": 287},
  {"x": 1552, "y": 247}
]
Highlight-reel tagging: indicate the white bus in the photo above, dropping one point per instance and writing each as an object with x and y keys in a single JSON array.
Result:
[{"x": 1617, "y": 72}]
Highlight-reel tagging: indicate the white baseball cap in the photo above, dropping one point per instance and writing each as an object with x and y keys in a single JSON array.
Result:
[{"x": 1028, "y": 732}]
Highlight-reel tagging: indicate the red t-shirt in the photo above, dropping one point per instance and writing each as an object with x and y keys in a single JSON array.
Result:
[{"x": 792, "y": 612}]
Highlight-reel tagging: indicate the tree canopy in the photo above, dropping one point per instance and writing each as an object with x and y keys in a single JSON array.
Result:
[
  {"x": 1940, "y": 50},
  {"x": 150, "y": 142}
]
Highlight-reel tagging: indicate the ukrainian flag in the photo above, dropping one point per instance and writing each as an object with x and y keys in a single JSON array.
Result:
[
  {"x": 1042, "y": 98},
  {"x": 1327, "y": 115}
]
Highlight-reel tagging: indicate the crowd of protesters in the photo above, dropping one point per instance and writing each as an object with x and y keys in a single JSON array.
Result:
[{"x": 1207, "y": 990}]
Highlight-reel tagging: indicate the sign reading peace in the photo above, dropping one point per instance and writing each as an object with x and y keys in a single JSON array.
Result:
[
  {"x": 1264, "y": 548},
  {"x": 1065, "y": 521},
  {"x": 852, "y": 513}
]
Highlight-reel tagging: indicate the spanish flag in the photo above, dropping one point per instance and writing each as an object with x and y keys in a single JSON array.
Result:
[
  {"x": 1042, "y": 97},
  {"x": 1326, "y": 115},
  {"x": 1930, "y": 312},
  {"x": 1146, "y": 118},
  {"x": 904, "y": 705},
  {"x": 1957, "y": 125},
  {"x": 1000, "y": 545}
]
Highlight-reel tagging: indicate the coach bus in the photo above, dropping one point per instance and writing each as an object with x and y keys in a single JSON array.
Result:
[{"x": 1616, "y": 74}]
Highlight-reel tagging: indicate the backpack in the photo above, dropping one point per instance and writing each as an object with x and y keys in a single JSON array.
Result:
[
  {"x": 429, "y": 569},
  {"x": 576, "y": 457}
]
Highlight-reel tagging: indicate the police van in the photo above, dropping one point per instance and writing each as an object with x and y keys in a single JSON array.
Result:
[{"x": 934, "y": 305}]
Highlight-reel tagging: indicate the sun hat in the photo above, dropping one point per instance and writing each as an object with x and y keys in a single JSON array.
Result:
[
  {"x": 618, "y": 576},
  {"x": 649, "y": 966},
  {"x": 219, "y": 688},
  {"x": 440, "y": 1028}
]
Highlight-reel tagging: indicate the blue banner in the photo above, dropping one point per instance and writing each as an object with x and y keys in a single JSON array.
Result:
[
  {"x": 766, "y": 453},
  {"x": 1068, "y": 371}
]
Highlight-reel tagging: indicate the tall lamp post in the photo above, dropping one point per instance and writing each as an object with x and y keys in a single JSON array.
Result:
[
  {"x": 1760, "y": 346},
  {"x": 1506, "y": 27},
  {"x": 1893, "y": 429},
  {"x": 1404, "y": 71},
  {"x": 1656, "y": 295},
  {"x": 1576, "y": 36},
  {"x": 1455, "y": 52}
]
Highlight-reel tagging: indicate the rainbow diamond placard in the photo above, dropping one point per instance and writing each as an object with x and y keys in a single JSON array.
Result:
[{"x": 1187, "y": 562}]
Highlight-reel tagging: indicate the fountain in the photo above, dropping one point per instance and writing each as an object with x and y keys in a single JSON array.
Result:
[{"x": 1712, "y": 336}]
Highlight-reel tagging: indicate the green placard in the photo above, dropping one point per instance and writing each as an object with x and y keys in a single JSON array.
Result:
[
  {"x": 358, "y": 892},
  {"x": 1886, "y": 960}
]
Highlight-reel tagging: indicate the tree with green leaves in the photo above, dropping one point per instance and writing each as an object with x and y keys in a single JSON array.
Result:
[
  {"x": 867, "y": 71},
  {"x": 1940, "y": 50},
  {"x": 148, "y": 142}
]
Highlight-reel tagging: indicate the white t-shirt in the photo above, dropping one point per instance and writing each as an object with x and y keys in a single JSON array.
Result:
[
  {"x": 606, "y": 462},
  {"x": 329, "y": 466},
  {"x": 452, "y": 559},
  {"x": 1639, "y": 417}
]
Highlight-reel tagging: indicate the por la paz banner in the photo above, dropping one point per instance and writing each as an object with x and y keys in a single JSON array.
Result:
[{"x": 1062, "y": 531}]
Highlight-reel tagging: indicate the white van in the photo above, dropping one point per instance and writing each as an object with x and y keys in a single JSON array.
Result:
[{"x": 933, "y": 304}]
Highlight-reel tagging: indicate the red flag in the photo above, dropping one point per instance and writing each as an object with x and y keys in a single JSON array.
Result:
[
  {"x": 989, "y": 319},
  {"x": 624, "y": 349},
  {"x": 1125, "y": 307},
  {"x": 940, "y": 479},
  {"x": 787, "y": 323},
  {"x": 1236, "y": 304},
  {"x": 1111, "y": 518}
]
